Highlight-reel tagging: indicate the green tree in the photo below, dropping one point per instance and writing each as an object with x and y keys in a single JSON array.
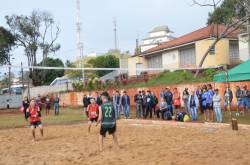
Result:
[
  {"x": 50, "y": 74},
  {"x": 227, "y": 12},
  {"x": 34, "y": 32},
  {"x": 72, "y": 73},
  {"x": 7, "y": 41},
  {"x": 105, "y": 61}
]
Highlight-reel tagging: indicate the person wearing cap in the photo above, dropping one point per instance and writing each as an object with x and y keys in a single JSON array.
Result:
[
  {"x": 246, "y": 98},
  {"x": 217, "y": 106},
  {"x": 125, "y": 102}
]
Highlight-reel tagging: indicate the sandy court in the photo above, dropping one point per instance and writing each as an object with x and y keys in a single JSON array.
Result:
[{"x": 141, "y": 142}]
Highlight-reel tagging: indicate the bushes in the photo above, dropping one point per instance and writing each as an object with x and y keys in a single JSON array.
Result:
[{"x": 94, "y": 84}]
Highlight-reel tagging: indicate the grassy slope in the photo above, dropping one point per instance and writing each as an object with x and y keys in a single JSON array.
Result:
[
  {"x": 67, "y": 115},
  {"x": 177, "y": 77}
]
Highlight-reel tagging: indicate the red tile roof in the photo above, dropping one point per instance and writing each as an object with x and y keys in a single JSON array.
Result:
[{"x": 203, "y": 33}]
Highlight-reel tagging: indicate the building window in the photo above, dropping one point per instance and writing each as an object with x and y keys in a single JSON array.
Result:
[
  {"x": 187, "y": 57},
  {"x": 138, "y": 67},
  {"x": 155, "y": 61},
  {"x": 212, "y": 50},
  {"x": 234, "y": 50}
]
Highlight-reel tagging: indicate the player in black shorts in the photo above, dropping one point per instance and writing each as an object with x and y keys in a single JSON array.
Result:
[{"x": 107, "y": 120}]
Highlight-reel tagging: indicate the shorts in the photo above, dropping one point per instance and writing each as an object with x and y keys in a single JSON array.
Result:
[
  {"x": 246, "y": 103},
  {"x": 36, "y": 124},
  {"x": 226, "y": 103},
  {"x": 239, "y": 103},
  {"x": 209, "y": 106},
  {"x": 111, "y": 130},
  {"x": 93, "y": 119}
]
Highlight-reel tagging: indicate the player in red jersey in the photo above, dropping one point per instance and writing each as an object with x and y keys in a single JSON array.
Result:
[
  {"x": 34, "y": 114},
  {"x": 93, "y": 111}
]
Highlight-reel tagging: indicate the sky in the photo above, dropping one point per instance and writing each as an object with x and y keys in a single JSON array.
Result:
[{"x": 135, "y": 18}]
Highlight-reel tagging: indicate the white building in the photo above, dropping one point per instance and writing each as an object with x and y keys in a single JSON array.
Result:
[
  {"x": 156, "y": 36},
  {"x": 243, "y": 47}
]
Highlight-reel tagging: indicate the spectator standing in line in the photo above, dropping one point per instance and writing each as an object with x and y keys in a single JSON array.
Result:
[
  {"x": 246, "y": 98},
  {"x": 239, "y": 97},
  {"x": 125, "y": 102},
  {"x": 149, "y": 104},
  {"x": 117, "y": 103},
  {"x": 26, "y": 105},
  {"x": 193, "y": 104},
  {"x": 176, "y": 100},
  {"x": 210, "y": 107},
  {"x": 217, "y": 106},
  {"x": 98, "y": 98},
  {"x": 154, "y": 102},
  {"x": 47, "y": 103},
  {"x": 162, "y": 93},
  {"x": 138, "y": 104},
  {"x": 39, "y": 102},
  {"x": 198, "y": 93},
  {"x": 185, "y": 96},
  {"x": 169, "y": 99},
  {"x": 85, "y": 102},
  {"x": 228, "y": 97},
  {"x": 56, "y": 105},
  {"x": 144, "y": 103}
]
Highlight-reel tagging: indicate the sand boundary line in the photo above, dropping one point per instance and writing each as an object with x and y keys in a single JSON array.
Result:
[{"x": 183, "y": 124}]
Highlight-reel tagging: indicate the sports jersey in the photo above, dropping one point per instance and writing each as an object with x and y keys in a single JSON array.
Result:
[
  {"x": 108, "y": 115},
  {"x": 93, "y": 110},
  {"x": 34, "y": 115}
]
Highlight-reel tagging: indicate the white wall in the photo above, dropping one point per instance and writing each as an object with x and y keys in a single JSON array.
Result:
[
  {"x": 170, "y": 59},
  {"x": 15, "y": 101},
  {"x": 144, "y": 48},
  {"x": 44, "y": 90},
  {"x": 156, "y": 34},
  {"x": 243, "y": 48}
]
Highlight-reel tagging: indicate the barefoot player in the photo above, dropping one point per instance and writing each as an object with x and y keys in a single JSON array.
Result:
[
  {"x": 93, "y": 110},
  {"x": 34, "y": 114},
  {"x": 107, "y": 120}
]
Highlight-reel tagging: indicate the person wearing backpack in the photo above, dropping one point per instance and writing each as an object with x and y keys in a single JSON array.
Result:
[{"x": 193, "y": 104}]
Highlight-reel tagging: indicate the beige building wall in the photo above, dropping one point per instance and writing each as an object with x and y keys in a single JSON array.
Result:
[
  {"x": 170, "y": 59},
  {"x": 132, "y": 61},
  {"x": 220, "y": 57}
]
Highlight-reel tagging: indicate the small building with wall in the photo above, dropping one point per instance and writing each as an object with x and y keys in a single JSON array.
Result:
[{"x": 187, "y": 51}]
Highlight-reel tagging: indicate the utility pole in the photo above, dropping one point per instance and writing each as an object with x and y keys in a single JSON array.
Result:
[
  {"x": 79, "y": 37},
  {"x": 22, "y": 77},
  {"x": 115, "y": 34},
  {"x": 9, "y": 84}
]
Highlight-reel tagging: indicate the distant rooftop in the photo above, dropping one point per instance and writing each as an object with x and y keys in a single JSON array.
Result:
[{"x": 160, "y": 28}]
